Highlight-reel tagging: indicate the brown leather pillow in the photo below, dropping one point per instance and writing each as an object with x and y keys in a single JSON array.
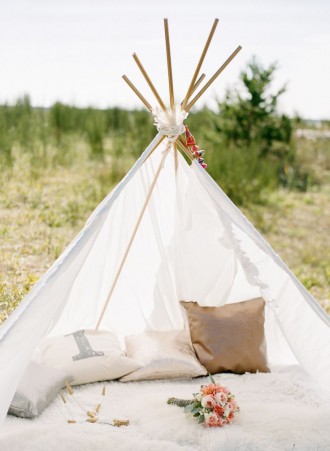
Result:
[{"x": 229, "y": 338}]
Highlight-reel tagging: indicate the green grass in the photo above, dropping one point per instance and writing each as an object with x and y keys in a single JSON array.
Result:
[
  {"x": 57, "y": 165},
  {"x": 298, "y": 231},
  {"x": 39, "y": 218}
]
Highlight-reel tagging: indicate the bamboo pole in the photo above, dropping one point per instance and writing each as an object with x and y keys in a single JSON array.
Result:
[
  {"x": 198, "y": 82},
  {"x": 161, "y": 139},
  {"x": 218, "y": 72},
  {"x": 137, "y": 92},
  {"x": 199, "y": 65},
  {"x": 138, "y": 222},
  {"x": 152, "y": 87},
  {"x": 169, "y": 64},
  {"x": 176, "y": 161},
  {"x": 148, "y": 80}
]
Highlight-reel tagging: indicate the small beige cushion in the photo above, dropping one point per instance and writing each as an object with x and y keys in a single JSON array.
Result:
[
  {"x": 229, "y": 338},
  {"x": 162, "y": 355}
]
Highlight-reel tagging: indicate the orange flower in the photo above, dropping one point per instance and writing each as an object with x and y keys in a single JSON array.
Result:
[
  {"x": 218, "y": 410},
  {"x": 211, "y": 389}
]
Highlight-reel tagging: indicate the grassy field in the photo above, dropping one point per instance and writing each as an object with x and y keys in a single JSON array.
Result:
[{"x": 48, "y": 192}]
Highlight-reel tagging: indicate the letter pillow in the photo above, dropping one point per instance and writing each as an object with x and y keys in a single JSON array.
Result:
[{"x": 89, "y": 355}]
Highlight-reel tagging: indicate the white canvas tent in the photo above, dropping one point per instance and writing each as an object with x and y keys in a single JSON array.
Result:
[{"x": 188, "y": 241}]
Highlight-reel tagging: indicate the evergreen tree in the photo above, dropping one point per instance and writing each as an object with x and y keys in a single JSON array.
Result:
[{"x": 250, "y": 115}]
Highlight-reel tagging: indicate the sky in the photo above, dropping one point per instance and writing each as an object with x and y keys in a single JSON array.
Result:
[{"x": 76, "y": 51}]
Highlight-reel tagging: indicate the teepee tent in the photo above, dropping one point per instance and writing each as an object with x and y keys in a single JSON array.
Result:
[{"x": 166, "y": 233}]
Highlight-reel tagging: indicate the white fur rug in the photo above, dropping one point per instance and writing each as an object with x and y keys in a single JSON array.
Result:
[{"x": 279, "y": 411}]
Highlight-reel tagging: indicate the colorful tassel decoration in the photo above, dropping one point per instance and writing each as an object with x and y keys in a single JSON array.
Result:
[
  {"x": 194, "y": 149},
  {"x": 190, "y": 140}
]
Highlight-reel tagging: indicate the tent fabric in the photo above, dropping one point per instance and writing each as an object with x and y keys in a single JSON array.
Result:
[{"x": 193, "y": 243}]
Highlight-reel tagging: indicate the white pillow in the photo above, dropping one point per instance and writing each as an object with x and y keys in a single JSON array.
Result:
[
  {"x": 163, "y": 355},
  {"x": 38, "y": 387},
  {"x": 89, "y": 355}
]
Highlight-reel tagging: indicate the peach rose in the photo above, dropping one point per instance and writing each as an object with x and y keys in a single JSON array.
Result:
[
  {"x": 233, "y": 404},
  {"x": 221, "y": 398},
  {"x": 212, "y": 420},
  {"x": 208, "y": 401}
]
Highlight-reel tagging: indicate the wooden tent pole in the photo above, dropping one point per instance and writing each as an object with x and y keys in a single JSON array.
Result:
[
  {"x": 137, "y": 92},
  {"x": 161, "y": 139},
  {"x": 218, "y": 72},
  {"x": 169, "y": 64},
  {"x": 129, "y": 245},
  {"x": 170, "y": 83},
  {"x": 148, "y": 80},
  {"x": 198, "y": 82},
  {"x": 199, "y": 65},
  {"x": 176, "y": 160}
]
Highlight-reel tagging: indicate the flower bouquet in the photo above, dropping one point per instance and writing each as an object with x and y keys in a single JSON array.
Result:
[{"x": 214, "y": 405}]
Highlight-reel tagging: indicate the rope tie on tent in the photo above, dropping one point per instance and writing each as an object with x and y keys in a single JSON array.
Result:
[{"x": 170, "y": 122}]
